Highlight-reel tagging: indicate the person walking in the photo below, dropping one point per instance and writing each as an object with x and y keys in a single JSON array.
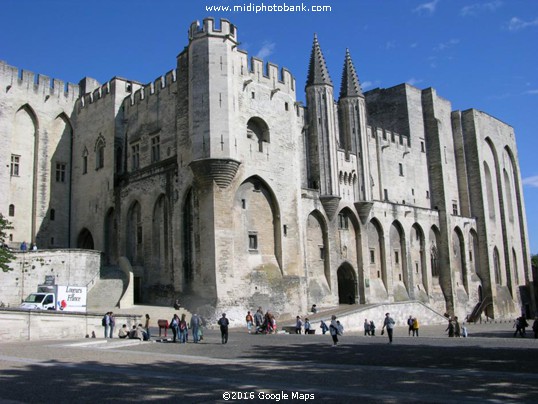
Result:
[
  {"x": 195, "y": 327},
  {"x": 415, "y": 327},
  {"x": 306, "y": 326},
  {"x": 146, "y": 326},
  {"x": 224, "y": 323},
  {"x": 106, "y": 323},
  {"x": 183, "y": 329},
  {"x": 372, "y": 328},
  {"x": 333, "y": 330},
  {"x": 112, "y": 324},
  {"x": 174, "y": 325},
  {"x": 258, "y": 319},
  {"x": 366, "y": 327},
  {"x": 298, "y": 325},
  {"x": 389, "y": 324},
  {"x": 410, "y": 325},
  {"x": 249, "y": 321}
]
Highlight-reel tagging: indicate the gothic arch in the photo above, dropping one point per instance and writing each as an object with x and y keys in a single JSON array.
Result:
[
  {"x": 189, "y": 251},
  {"x": 435, "y": 256},
  {"x": 317, "y": 253},
  {"x": 377, "y": 271},
  {"x": 257, "y": 218},
  {"x": 85, "y": 239},
  {"x": 258, "y": 130},
  {"x": 459, "y": 267},
  {"x": 349, "y": 245},
  {"x": 398, "y": 260},
  {"x": 418, "y": 263},
  {"x": 134, "y": 234},
  {"x": 160, "y": 235},
  {"x": 347, "y": 284}
]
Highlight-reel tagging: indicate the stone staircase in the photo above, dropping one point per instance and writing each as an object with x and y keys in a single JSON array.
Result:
[
  {"x": 352, "y": 316},
  {"x": 108, "y": 289}
]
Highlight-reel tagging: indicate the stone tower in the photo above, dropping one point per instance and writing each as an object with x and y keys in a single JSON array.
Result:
[{"x": 321, "y": 128}]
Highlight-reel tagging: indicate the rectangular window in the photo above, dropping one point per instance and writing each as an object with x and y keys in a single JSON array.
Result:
[
  {"x": 386, "y": 194},
  {"x": 84, "y": 164},
  {"x": 392, "y": 137},
  {"x": 343, "y": 223},
  {"x": 139, "y": 234},
  {"x": 470, "y": 256},
  {"x": 427, "y": 194},
  {"x": 422, "y": 148},
  {"x": 100, "y": 157},
  {"x": 135, "y": 157},
  {"x": 401, "y": 140},
  {"x": 396, "y": 257},
  {"x": 400, "y": 168},
  {"x": 384, "y": 135},
  {"x": 60, "y": 172},
  {"x": 15, "y": 164},
  {"x": 372, "y": 256},
  {"x": 155, "y": 149},
  {"x": 321, "y": 253},
  {"x": 454, "y": 208},
  {"x": 253, "y": 242}
]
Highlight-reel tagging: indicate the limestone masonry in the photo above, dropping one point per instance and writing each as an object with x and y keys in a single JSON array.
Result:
[{"x": 213, "y": 185}]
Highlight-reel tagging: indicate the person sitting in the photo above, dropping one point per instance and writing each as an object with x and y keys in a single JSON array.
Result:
[{"x": 123, "y": 332}]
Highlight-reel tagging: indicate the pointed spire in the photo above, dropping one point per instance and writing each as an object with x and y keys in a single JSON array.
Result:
[
  {"x": 351, "y": 86},
  {"x": 317, "y": 70}
]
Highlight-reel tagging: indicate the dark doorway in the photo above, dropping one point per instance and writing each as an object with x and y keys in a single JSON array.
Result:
[
  {"x": 85, "y": 240},
  {"x": 347, "y": 284}
]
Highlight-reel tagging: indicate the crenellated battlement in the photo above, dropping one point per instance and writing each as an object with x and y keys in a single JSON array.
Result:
[
  {"x": 209, "y": 28},
  {"x": 268, "y": 73},
  {"x": 25, "y": 80},
  {"x": 155, "y": 87}
]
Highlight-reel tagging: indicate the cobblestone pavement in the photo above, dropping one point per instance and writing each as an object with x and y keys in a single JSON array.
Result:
[{"x": 491, "y": 366}]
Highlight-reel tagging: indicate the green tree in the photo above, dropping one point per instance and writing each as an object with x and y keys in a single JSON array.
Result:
[
  {"x": 534, "y": 260},
  {"x": 5, "y": 255}
]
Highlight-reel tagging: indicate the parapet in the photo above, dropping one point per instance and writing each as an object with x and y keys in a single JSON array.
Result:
[
  {"x": 268, "y": 73},
  {"x": 209, "y": 28},
  {"x": 25, "y": 80},
  {"x": 152, "y": 88}
]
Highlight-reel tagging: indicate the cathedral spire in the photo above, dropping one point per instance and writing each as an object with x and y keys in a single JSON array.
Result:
[
  {"x": 317, "y": 70},
  {"x": 351, "y": 86}
]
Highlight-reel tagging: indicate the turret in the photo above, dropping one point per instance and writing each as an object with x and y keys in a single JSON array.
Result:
[
  {"x": 321, "y": 131},
  {"x": 352, "y": 122}
]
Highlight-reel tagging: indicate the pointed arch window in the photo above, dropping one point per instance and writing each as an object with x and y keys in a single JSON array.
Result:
[
  {"x": 11, "y": 210},
  {"x": 85, "y": 161},
  {"x": 100, "y": 152}
]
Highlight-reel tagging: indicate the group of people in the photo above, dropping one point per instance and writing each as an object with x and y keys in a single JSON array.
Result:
[
  {"x": 369, "y": 328},
  {"x": 454, "y": 329},
  {"x": 299, "y": 326},
  {"x": 260, "y": 323},
  {"x": 139, "y": 331},
  {"x": 180, "y": 328},
  {"x": 24, "y": 247},
  {"x": 412, "y": 326}
]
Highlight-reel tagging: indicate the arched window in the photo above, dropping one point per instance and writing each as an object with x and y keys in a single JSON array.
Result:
[
  {"x": 257, "y": 129},
  {"x": 11, "y": 210},
  {"x": 100, "y": 152}
]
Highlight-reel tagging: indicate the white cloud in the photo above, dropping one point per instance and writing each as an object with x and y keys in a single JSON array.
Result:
[
  {"x": 445, "y": 45},
  {"x": 477, "y": 8},
  {"x": 531, "y": 181},
  {"x": 413, "y": 81},
  {"x": 266, "y": 50},
  {"x": 428, "y": 8},
  {"x": 370, "y": 84},
  {"x": 531, "y": 92},
  {"x": 516, "y": 24},
  {"x": 390, "y": 45},
  {"x": 414, "y": 45}
]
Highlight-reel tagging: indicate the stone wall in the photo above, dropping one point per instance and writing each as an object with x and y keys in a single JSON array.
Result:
[
  {"x": 18, "y": 325},
  {"x": 69, "y": 267}
]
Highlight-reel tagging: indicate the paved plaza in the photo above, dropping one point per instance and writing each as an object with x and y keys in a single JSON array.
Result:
[{"x": 489, "y": 366}]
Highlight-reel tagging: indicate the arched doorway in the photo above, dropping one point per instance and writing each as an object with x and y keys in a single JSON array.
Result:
[
  {"x": 347, "y": 284},
  {"x": 85, "y": 240}
]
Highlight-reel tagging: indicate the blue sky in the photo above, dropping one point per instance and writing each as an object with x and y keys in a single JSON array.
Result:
[{"x": 476, "y": 54}]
